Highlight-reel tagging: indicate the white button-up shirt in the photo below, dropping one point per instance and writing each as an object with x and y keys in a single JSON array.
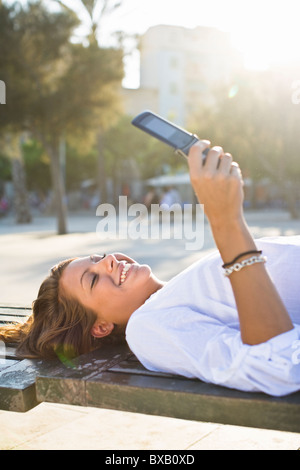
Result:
[{"x": 191, "y": 327}]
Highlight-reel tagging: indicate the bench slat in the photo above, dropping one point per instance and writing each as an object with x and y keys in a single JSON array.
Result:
[
  {"x": 13, "y": 314},
  {"x": 134, "y": 367},
  {"x": 18, "y": 311},
  {"x": 11, "y": 319},
  {"x": 5, "y": 363}
]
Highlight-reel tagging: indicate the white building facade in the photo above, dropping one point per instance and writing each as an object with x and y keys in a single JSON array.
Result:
[{"x": 179, "y": 70}]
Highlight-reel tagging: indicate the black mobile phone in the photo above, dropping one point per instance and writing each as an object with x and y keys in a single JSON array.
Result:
[{"x": 167, "y": 132}]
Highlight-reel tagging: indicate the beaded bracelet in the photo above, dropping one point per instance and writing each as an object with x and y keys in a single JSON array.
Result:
[
  {"x": 252, "y": 252},
  {"x": 244, "y": 263}
]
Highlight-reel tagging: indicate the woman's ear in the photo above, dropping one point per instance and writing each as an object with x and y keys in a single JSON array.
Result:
[{"x": 101, "y": 329}]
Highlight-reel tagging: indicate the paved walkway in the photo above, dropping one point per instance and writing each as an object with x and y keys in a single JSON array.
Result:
[{"x": 26, "y": 254}]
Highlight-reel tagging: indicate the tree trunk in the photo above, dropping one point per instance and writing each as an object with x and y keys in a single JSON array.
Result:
[
  {"x": 58, "y": 189},
  {"x": 21, "y": 204},
  {"x": 101, "y": 179},
  {"x": 53, "y": 149}
]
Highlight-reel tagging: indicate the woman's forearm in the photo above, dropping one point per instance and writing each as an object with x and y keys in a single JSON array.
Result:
[
  {"x": 219, "y": 187},
  {"x": 261, "y": 311}
]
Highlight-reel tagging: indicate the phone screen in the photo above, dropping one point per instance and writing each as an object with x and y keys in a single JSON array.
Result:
[{"x": 176, "y": 137}]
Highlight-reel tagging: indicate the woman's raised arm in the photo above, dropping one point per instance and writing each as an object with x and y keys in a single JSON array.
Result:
[{"x": 218, "y": 186}]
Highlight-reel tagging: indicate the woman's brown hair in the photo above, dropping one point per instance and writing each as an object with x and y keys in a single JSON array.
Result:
[{"x": 58, "y": 326}]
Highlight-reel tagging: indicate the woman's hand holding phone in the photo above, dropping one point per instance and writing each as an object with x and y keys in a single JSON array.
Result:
[{"x": 218, "y": 184}]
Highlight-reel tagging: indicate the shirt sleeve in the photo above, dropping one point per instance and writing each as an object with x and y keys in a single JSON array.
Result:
[{"x": 181, "y": 341}]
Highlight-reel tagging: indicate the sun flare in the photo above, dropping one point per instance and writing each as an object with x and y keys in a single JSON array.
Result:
[{"x": 271, "y": 35}]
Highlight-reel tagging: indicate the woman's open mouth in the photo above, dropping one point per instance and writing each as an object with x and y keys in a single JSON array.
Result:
[{"x": 124, "y": 272}]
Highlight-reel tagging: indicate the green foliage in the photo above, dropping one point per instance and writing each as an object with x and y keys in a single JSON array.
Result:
[
  {"x": 32, "y": 61},
  {"x": 53, "y": 86},
  {"x": 5, "y": 168},
  {"x": 80, "y": 166},
  {"x": 37, "y": 166},
  {"x": 258, "y": 123},
  {"x": 124, "y": 143}
]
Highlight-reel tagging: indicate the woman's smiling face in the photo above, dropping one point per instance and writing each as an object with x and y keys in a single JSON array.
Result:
[{"x": 113, "y": 286}]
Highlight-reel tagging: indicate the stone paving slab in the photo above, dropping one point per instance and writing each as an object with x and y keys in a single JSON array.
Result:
[{"x": 65, "y": 427}]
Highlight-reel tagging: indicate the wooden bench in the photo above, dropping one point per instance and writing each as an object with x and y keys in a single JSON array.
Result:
[{"x": 113, "y": 378}]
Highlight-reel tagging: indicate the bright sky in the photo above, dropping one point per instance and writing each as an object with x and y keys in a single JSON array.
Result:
[{"x": 265, "y": 31}]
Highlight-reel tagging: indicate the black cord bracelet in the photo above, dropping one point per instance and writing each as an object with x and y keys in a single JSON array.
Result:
[{"x": 226, "y": 265}]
